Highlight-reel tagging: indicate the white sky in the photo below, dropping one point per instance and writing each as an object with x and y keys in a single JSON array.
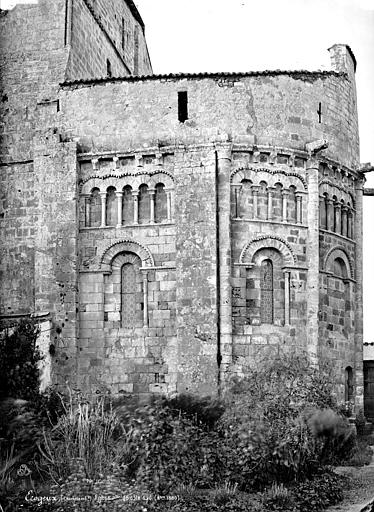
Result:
[{"x": 244, "y": 35}]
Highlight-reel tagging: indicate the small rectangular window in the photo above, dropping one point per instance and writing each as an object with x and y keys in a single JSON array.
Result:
[
  {"x": 108, "y": 68},
  {"x": 182, "y": 106},
  {"x": 123, "y": 34}
]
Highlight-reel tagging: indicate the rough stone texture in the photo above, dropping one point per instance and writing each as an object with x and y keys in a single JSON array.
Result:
[
  {"x": 100, "y": 30},
  {"x": 171, "y": 255}
]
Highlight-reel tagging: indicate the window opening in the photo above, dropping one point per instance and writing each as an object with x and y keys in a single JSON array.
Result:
[
  {"x": 128, "y": 295},
  {"x": 267, "y": 292},
  {"x": 182, "y": 106},
  {"x": 108, "y": 68}
]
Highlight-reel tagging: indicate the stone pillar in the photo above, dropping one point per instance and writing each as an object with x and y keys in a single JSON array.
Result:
[
  {"x": 344, "y": 229},
  {"x": 236, "y": 190},
  {"x": 145, "y": 299},
  {"x": 330, "y": 215},
  {"x": 270, "y": 203},
  {"x": 152, "y": 193},
  {"x": 103, "y": 208},
  {"x": 119, "y": 196},
  {"x": 255, "y": 190},
  {"x": 135, "y": 195},
  {"x": 168, "y": 204},
  {"x": 285, "y": 194},
  {"x": 86, "y": 198},
  {"x": 358, "y": 299},
  {"x": 337, "y": 221},
  {"x": 287, "y": 297},
  {"x": 313, "y": 259},
  {"x": 350, "y": 222},
  {"x": 223, "y": 170},
  {"x": 299, "y": 208}
]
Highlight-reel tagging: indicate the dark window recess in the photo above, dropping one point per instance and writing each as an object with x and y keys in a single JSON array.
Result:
[
  {"x": 108, "y": 68},
  {"x": 319, "y": 112},
  {"x": 123, "y": 34},
  {"x": 182, "y": 106}
]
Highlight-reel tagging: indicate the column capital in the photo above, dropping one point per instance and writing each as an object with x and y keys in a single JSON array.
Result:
[
  {"x": 285, "y": 192},
  {"x": 95, "y": 164},
  {"x": 255, "y": 189},
  {"x": 151, "y": 191},
  {"x": 102, "y": 195},
  {"x": 135, "y": 194},
  {"x": 119, "y": 193}
]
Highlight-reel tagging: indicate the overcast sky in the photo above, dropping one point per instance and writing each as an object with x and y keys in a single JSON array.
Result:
[{"x": 244, "y": 35}]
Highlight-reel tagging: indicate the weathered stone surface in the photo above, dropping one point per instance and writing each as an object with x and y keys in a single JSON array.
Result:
[{"x": 172, "y": 254}]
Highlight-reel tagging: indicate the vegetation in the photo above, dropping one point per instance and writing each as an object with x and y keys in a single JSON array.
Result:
[{"x": 268, "y": 444}]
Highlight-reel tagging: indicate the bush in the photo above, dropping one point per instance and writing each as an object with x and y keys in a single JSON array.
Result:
[
  {"x": 85, "y": 432},
  {"x": 279, "y": 426},
  {"x": 317, "y": 494},
  {"x": 19, "y": 358},
  {"x": 175, "y": 450}
]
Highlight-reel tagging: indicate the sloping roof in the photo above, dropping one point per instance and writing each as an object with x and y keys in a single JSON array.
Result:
[
  {"x": 135, "y": 12},
  {"x": 301, "y": 75}
]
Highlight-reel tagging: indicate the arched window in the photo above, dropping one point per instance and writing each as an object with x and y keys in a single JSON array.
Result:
[
  {"x": 160, "y": 203},
  {"x": 127, "y": 205},
  {"x": 95, "y": 208},
  {"x": 128, "y": 295},
  {"x": 339, "y": 268},
  {"x": 123, "y": 292},
  {"x": 263, "y": 200},
  {"x": 267, "y": 292},
  {"x": 144, "y": 205},
  {"x": 244, "y": 200},
  {"x": 348, "y": 384},
  {"x": 111, "y": 207}
]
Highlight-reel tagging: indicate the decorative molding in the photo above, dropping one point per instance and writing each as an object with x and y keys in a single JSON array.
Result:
[
  {"x": 339, "y": 187},
  {"x": 268, "y": 242},
  {"x": 147, "y": 174},
  {"x": 339, "y": 252},
  {"x": 268, "y": 171},
  {"x": 126, "y": 245}
]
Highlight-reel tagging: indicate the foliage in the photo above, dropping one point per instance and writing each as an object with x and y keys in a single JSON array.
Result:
[
  {"x": 278, "y": 497},
  {"x": 360, "y": 422},
  {"x": 19, "y": 358},
  {"x": 279, "y": 426},
  {"x": 317, "y": 494},
  {"x": 360, "y": 455},
  {"x": 174, "y": 450},
  {"x": 85, "y": 432},
  {"x": 205, "y": 410}
]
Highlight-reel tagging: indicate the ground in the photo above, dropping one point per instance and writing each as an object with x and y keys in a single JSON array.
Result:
[{"x": 359, "y": 492}]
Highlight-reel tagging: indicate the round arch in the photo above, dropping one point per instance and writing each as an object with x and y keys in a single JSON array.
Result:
[
  {"x": 267, "y": 242},
  {"x": 338, "y": 252},
  {"x": 126, "y": 246}
]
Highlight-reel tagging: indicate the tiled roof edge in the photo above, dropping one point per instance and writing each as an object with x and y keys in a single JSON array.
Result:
[{"x": 173, "y": 76}]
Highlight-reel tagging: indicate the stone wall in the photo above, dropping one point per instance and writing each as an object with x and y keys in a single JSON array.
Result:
[
  {"x": 266, "y": 109},
  {"x": 106, "y": 34}
]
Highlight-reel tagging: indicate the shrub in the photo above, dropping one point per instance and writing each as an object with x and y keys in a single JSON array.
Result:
[
  {"x": 19, "y": 358},
  {"x": 85, "y": 432},
  {"x": 319, "y": 493},
  {"x": 279, "y": 426},
  {"x": 175, "y": 450},
  {"x": 206, "y": 410}
]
